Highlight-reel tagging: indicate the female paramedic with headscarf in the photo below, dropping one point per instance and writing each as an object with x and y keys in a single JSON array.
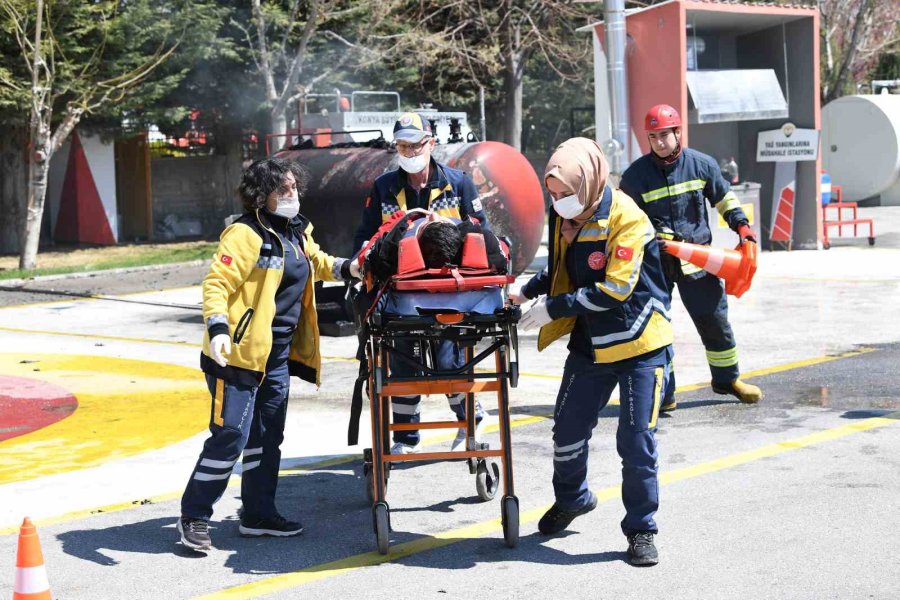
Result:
[{"x": 604, "y": 285}]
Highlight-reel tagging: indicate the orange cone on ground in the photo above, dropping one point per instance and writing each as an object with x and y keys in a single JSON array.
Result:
[
  {"x": 735, "y": 267},
  {"x": 31, "y": 577}
]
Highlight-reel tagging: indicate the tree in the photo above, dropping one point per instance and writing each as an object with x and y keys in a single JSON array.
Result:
[
  {"x": 295, "y": 44},
  {"x": 65, "y": 61},
  {"x": 491, "y": 44},
  {"x": 855, "y": 34}
]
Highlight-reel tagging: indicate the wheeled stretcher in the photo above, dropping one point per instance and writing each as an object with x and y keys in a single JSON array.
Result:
[{"x": 420, "y": 308}]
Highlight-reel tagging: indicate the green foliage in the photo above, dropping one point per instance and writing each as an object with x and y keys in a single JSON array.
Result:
[{"x": 96, "y": 53}]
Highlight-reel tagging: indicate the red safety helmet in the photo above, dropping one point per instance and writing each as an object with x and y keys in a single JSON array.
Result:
[{"x": 662, "y": 116}]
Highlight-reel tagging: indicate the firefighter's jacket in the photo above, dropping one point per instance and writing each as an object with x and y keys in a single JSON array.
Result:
[
  {"x": 675, "y": 195},
  {"x": 239, "y": 299},
  {"x": 450, "y": 193},
  {"x": 618, "y": 285}
]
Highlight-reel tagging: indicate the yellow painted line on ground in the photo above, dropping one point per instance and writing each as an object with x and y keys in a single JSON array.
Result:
[
  {"x": 749, "y": 374},
  {"x": 352, "y": 563}
]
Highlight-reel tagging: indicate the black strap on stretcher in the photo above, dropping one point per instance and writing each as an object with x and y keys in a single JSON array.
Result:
[{"x": 363, "y": 305}]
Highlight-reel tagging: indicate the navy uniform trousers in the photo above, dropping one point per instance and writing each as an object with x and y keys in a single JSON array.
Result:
[
  {"x": 448, "y": 355},
  {"x": 706, "y": 303},
  {"x": 585, "y": 390},
  {"x": 249, "y": 420}
]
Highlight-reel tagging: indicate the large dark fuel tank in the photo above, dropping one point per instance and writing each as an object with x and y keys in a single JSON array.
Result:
[{"x": 342, "y": 178}]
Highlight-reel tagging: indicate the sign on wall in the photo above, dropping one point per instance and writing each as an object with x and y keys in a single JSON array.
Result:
[
  {"x": 785, "y": 147},
  {"x": 787, "y": 144}
]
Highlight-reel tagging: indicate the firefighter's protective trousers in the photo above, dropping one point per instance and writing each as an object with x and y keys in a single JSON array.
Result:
[{"x": 706, "y": 303}]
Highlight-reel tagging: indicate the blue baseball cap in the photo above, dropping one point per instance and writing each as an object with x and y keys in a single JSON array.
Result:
[{"x": 412, "y": 127}]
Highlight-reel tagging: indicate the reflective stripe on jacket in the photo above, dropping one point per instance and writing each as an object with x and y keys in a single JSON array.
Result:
[
  {"x": 675, "y": 195},
  {"x": 452, "y": 193},
  {"x": 618, "y": 284}
]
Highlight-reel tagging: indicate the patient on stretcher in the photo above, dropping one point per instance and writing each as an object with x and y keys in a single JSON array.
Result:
[
  {"x": 426, "y": 262},
  {"x": 421, "y": 264}
]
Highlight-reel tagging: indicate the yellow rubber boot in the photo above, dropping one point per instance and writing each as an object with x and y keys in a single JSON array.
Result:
[{"x": 745, "y": 392}]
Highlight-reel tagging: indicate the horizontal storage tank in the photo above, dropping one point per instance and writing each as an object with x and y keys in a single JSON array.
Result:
[
  {"x": 861, "y": 146},
  {"x": 342, "y": 178}
]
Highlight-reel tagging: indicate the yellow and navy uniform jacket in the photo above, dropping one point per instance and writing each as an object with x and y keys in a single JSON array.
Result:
[
  {"x": 675, "y": 195},
  {"x": 617, "y": 287},
  {"x": 239, "y": 299},
  {"x": 449, "y": 193}
]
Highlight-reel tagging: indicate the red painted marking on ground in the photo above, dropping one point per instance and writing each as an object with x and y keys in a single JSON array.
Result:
[{"x": 27, "y": 405}]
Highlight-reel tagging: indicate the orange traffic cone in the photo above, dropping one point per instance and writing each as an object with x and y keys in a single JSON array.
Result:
[
  {"x": 735, "y": 267},
  {"x": 31, "y": 577}
]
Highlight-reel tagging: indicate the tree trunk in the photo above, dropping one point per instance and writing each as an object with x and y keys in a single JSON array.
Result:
[
  {"x": 13, "y": 177},
  {"x": 512, "y": 88},
  {"x": 279, "y": 126},
  {"x": 512, "y": 115},
  {"x": 39, "y": 168},
  {"x": 845, "y": 69}
]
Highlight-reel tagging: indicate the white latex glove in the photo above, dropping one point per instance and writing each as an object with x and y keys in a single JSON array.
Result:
[
  {"x": 220, "y": 348},
  {"x": 536, "y": 316},
  {"x": 354, "y": 269},
  {"x": 516, "y": 296}
]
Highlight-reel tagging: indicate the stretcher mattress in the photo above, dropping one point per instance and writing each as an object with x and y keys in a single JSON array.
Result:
[{"x": 484, "y": 301}]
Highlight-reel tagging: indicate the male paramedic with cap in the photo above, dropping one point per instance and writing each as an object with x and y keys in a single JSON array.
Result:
[
  {"x": 672, "y": 184},
  {"x": 421, "y": 182}
]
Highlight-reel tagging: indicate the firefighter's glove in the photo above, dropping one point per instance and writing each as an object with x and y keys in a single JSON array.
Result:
[
  {"x": 746, "y": 234},
  {"x": 536, "y": 316},
  {"x": 354, "y": 269},
  {"x": 665, "y": 234},
  {"x": 220, "y": 348}
]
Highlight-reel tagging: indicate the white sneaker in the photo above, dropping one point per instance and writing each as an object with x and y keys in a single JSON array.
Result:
[
  {"x": 401, "y": 448},
  {"x": 459, "y": 442}
]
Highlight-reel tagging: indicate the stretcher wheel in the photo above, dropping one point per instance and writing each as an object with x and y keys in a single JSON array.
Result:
[
  {"x": 871, "y": 241},
  {"x": 826, "y": 245},
  {"x": 382, "y": 521},
  {"x": 487, "y": 480},
  {"x": 369, "y": 472},
  {"x": 509, "y": 516}
]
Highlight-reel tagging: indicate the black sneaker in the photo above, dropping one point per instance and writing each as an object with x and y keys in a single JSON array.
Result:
[
  {"x": 276, "y": 526},
  {"x": 557, "y": 519},
  {"x": 641, "y": 551},
  {"x": 194, "y": 533}
]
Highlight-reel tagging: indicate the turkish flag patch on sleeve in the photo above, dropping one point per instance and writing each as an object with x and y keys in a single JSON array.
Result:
[
  {"x": 624, "y": 253},
  {"x": 226, "y": 260}
]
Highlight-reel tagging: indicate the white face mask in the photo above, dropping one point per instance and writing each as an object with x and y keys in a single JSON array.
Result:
[
  {"x": 568, "y": 207},
  {"x": 413, "y": 164},
  {"x": 288, "y": 207}
]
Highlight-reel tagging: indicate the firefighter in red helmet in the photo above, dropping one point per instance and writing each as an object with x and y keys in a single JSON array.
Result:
[{"x": 673, "y": 184}]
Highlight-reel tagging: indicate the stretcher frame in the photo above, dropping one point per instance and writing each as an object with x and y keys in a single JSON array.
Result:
[{"x": 385, "y": 331}]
